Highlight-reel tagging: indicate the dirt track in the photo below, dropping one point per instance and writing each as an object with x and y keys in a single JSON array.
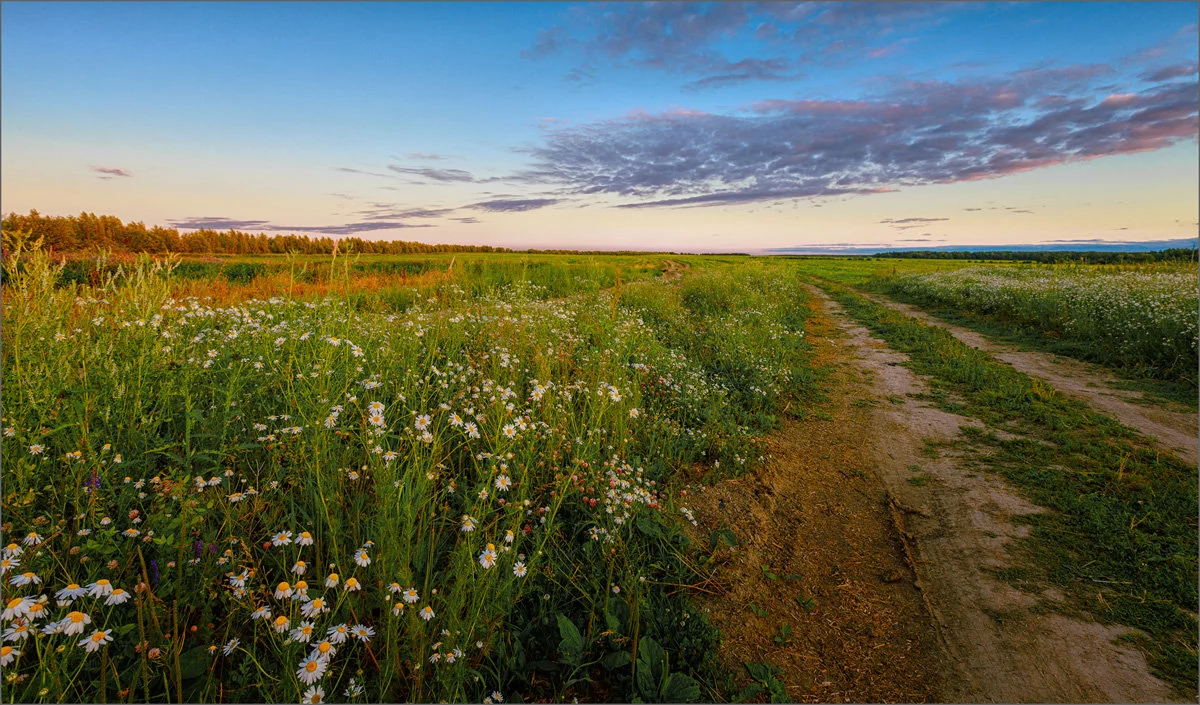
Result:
[
  {"x": 892, "y": 546},
  {"x": 1092, "y": 384}
]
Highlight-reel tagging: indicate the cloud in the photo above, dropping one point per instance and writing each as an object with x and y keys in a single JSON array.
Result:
[
  {"x": 913, "y": 133},
  {"x": 348, "y": 170},
  {"x": 219, "y": 223},
  {"x": 1167, "y": 73},
  {"x": 685, "y": 37},
  {"x": 513, "y": 205},
  {"x": 110, "y": 171},
  {"x": 443, "y": 175},
  {"x": 467, "y": 220},
  {"x": 385, "y": 211},
  {"x": 912, "y": 220},
  {"x": 428, "y": 156}
]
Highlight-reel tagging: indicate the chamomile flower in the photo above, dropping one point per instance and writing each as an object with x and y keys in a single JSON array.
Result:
[
  {"x": 231, "y": 646},
  {"x": 362, "y": 632},
  {"x": 25, "y": 579},
  {"x": 7, "y": 564},
  {"x": 100, "y": 588},
  {"x": 362, "y": 558},
  {"x": 305, "y": 539},
  {"x": 283, "y": 538},
  {"x": 338, "y": 633},
  {"x": 468, "y": 523},
  {"x": 519, "y": 569},
  {"x": 303, "y": 632},
  {"x": 324, "y": 650},
  {"x": 398, "y": 608},
  {"x": 75, "y": 622},
  {"x": 313, "y": 696},
  {"x": 352, "y": 585},
  {"x": 283, "y": 591},
  {"x": 487, "y": 559},
  {"x": 17, "y": 631},
  {"x": 299, "y": 567},
  {"x": 314, "y": 607},
  {"x": 117, "y": 597},
  {"x": 8, "y": 654},
  {"x": 96, "y": 640},
  {"x": 33, "y": 538},
  {"x": 17, "y": 607},
  {"x": 301, "y": 588},
  {"x": 261, "y": 613},
  {"x": 503, "y": 482},
  {"x": 509, "y": 536},
  {"x": 411, "y": 596},
  {"x": 281, "y": 624},
  {"x": 394, "y": 588},
  {"x": 332, "y": 580},
  {"x": 422, "y": 422},
  {"x": 311, "y": 670},
  {"x": 426, "y": 613}
]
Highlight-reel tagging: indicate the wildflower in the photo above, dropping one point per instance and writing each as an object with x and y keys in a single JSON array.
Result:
[
  {"x": 616, "y": 589},
  {"x": 510, "y": 431},
  {"x": 426, "y": 613},
  {"x": 364, "y": 633},
  {"x": 12, "y": 550},
  {"x": 468, "y": 523},
  {"x": 96, "y": 640},
  {"x": 303, "y": 632},
  {"x": 26, "y": 579},
  {"x": 7, "y": 564},
  {"x": 352, "y": 585},
  {"x": 338, "y": 634},
  {"x": 314, "y": 607},
  {"x": 311, "y": 670},
  {"x": 487, "y": 559},
  {"x": 18, "y": 631},
  {"x": 301, "y": 589},
  {"x": 281, "y": 623},
  {"x": 497, "y": 697},
  {"x": 236, "y": 497},
  {"x": 519, "y": 569},
  {"x": 239, "y": 580},
  {"x": 100, "y": 588},
  {"x": 314, "y": 695},
  {"x": 361, "y": 558},
  {"x": 283, "y": 538},
  {"x": 261, "y": 613},
  {"x": 503, "y": 482},
  {"x": 411, "y": 596},
  {"x": 36, "y": 449},
  {"x": 394, "y": 588},
  {"x": 33, "y": 538},
  {"x": 456, "y": 420},
  {"x": 229, "y": 647},
  {"x": 398, "y": 608},
  {"x": 299, "y": 567},
  {"x": 74, "y": 622},
  {"x": 8, "y": 654},
  {"x": 283, "y": 591},
  {"x": 332, "y": 580},
  {"x": 422, "y": 422},
  {"x": 472, "y": 430},
  {"x": 132, "y": 533},
  {"x": 17, "y": 607},
  {"x": 324, "y": 650},
  {"x": 354, "y": 689},
  {"x": 117, "y": 597}
]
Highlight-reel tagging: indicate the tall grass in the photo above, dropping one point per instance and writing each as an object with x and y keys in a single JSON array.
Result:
[{"x": 471, "y": 499}]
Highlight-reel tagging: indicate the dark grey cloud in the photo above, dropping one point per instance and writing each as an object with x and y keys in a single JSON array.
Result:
[
  {"x": 467, "y": 220},
  {"x": 1167, "y": 73},
  {"x": 911, "y": 220},
  {"x": 513, "y": 205},
  {"x": 111, "y": 171},
  {"x": 443, "y": 175},
  {"x": 682, "y": 37},
  {"x": 386, "y": 211},
  {"x": 912, "y": 133}
]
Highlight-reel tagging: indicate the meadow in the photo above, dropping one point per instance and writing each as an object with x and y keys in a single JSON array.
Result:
[
  {"x": 473, "y": 497},
  {"x": 446, "y": 477}
]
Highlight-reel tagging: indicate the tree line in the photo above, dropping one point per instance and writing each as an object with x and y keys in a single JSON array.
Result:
[
  {"x": 88, "y": 232},
  {"x": 1177, "y": 254}
]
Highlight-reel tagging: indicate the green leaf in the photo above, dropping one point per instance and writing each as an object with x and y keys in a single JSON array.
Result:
[
  {"x": 681, "y": 688},
  {"x": 649, "y": 527},
  {"x": 651, "y": 668},
  {"x": 724, "y": 536},
  {"x": 616, "y": 659},
  {"x": 194, "y": 662},
  {"x": 748, "y": 692},
  {"x": 571, "y": 645}
]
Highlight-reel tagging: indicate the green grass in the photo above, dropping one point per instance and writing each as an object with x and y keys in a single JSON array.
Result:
[
  {"x": 161, "y": 444},
  {"x": 1124, "y": 519}
]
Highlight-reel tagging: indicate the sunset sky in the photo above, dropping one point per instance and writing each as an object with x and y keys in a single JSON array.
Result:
[{"x": 666, "y": 126}]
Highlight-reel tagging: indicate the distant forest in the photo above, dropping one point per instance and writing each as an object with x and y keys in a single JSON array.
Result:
[
  {"x": 88, "y": 232},
  {"x": 1179, "y": 254}
]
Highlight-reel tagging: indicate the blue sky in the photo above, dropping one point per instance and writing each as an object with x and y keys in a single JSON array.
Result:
[{"x": 682, "y": 126}]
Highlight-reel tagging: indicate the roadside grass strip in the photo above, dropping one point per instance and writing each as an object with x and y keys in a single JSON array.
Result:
[{"x": 1121, "y": 539}]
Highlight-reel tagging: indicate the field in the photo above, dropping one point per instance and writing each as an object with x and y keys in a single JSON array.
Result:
[{"x": 474, "y": 477}]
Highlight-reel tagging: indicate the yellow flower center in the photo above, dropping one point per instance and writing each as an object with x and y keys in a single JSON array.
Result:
[
  {"x": 76, "y": 617},
  {"x": 283, "y": 587},
  {"x": 351, "y": 582},
  {"x": 14, "y": 602},
  {"x": 318, "y": 604},
  {"x": 281, "y": 620},
  {"x": 307, "y": 631},
  {"x": 98, "y": 637},
  {"x": 324, "y": 647},
  {"x": 5, "y": 650},
  {"x": 310, "y": 666},
  {"x": 73, "y": 586},
  {"x": 36, "y": 607},
  {"x": 305, "y": 535},
  {"x": 301, "y": 585},
  {"x": 102, "y": 581}
]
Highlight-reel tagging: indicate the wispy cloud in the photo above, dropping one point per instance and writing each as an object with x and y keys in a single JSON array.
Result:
[
  {"x": 429, "y": 156},
  {"x": 683, "y": 37},
  {"x": 513, "y": 205},
  {"x": 443, "y": 175},
  {"x": 913, "y": 133},
  {"x": 109, "y": 172},
  {"x": 220, "y": 223}
]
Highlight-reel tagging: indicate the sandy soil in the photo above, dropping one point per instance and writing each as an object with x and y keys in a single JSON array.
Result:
[
  {"x": 1175, "y": 430},
  {"x": 891, "y": 545}
]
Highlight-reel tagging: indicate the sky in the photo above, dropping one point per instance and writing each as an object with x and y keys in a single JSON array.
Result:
[{"x": 739, "y": 126}]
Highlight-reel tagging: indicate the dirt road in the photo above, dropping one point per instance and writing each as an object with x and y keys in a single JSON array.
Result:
[
  {"x": 892, "y": 543},
  {"x": 1176, "y": 431}
]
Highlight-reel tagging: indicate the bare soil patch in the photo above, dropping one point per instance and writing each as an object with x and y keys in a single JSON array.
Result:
[{"x": 1175, "y": 430}]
